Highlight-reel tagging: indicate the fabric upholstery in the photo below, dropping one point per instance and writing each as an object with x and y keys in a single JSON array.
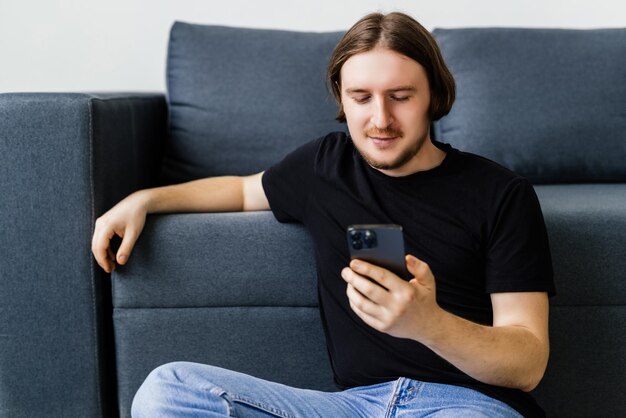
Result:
[
  {"x": 586, "y": 224},
  {"x": 41, "y": 334},
  {"x": 241, "y": 99},
  {"x": 587, "y": 372},
  {"x": 238, "y": 259},
  {"x": 586, "y": 375},
  {"x": 282, "y": 344},
  {"x": 235, "y": 290},
  {"x": 57, "y": 173},
  {"x": 546, "y": 103}
]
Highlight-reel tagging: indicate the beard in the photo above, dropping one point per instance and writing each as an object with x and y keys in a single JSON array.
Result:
[{"x": 401, "y": 159}]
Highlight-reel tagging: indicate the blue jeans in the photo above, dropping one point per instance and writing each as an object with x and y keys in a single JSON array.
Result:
[{"x": 196, "y": 390}]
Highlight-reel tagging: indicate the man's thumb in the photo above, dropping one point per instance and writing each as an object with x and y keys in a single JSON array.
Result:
[
  {"x": 411, "y": 263},
  {"x": 419, "y": 270}
]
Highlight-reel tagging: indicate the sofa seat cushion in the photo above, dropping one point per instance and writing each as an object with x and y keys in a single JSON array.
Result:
[
  {"x": 235, "y": 290},
  {"x": 586, "y": 224},
  {"x": 586, "y": 375},
  {"x": 219, "y": 259},
  {"x": 240, "y": 99},
  {"x": 546, "y": 103}
]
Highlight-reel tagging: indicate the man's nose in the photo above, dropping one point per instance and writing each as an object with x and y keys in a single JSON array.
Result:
[{"x": 381, "y": 117}]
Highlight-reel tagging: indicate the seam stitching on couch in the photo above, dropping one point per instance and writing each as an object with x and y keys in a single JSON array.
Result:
[{"x": 93, "y": 278}]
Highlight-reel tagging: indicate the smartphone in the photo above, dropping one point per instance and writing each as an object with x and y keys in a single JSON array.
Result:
[{"x": 382, "y": 245}]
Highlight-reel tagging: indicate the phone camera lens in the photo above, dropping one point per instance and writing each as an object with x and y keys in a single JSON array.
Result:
[
  {"x": 357, "y": 241},
  {"x": 370, "y": 239}
]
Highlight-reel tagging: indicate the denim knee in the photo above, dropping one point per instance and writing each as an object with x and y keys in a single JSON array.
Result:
[
  {"x": 172, "y": 387},
  {"x": 149, "y": 399}
]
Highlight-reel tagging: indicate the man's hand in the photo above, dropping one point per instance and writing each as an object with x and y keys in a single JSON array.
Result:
[
  {"x": 513, "y": 352},
  {"x": 212, "y": 194},
  {"x": 399, "y": 308},
  {"x": 126, "y": 220}
]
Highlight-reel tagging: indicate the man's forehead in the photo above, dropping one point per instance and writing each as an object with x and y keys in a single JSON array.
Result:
[{"x": 381, "y": 68}]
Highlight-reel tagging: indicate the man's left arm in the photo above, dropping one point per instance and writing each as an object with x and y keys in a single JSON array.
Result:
[{"x": 513, "y": 352}]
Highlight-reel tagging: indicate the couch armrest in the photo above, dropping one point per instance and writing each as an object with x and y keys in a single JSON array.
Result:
[{"x": 64, "y": 159}]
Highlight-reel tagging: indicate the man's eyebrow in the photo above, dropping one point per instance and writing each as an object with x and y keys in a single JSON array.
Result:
[
  {"x": 410, "y": 89},
  {"x": 356, "y": 90}
]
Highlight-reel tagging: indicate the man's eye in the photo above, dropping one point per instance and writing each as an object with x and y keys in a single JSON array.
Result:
[
  {"x": 361, "y": 100},
  {"x": 400, "y": 98}
]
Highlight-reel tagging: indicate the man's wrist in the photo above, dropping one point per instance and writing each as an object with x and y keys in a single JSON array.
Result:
[
  {"x": 437, "y": 328},
  {"x": 145, "y": 198}
]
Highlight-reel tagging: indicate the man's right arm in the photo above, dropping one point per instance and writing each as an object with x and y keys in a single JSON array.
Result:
[{"x": 127, "y": 218}]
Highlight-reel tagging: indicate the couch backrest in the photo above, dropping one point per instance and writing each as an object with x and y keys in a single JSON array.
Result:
[
  {"x": 241, "y": 99},
  {"x": 549, "y": 104}
]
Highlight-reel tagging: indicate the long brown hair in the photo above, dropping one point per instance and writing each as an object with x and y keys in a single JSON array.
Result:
[{"x": 403, "y": 34}]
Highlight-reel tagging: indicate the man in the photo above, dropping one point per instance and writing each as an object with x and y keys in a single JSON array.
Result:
[{"x": 466, "y": 336}]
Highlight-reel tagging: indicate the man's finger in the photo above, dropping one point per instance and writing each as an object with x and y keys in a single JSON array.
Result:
[
  {"x": 382, "y": 276},
  {"x": 126, "y": 247},
  {"x": 365, "y": 286},
  {"x": 361, "y": 301},
  {"x": 368, "y": 319},
  {"x": 100, "y": 247}
]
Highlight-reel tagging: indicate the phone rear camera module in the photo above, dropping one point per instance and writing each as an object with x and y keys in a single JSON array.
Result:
[
  {"x": 370, "y": 239},
  {"x": 360, "y": 239}
]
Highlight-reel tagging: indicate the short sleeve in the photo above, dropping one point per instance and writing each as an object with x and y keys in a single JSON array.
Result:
[
  {"x": 288, "y": 184},
  {"x": 518, "y": 255}
]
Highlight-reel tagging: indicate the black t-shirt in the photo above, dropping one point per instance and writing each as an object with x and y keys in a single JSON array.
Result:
[{"x": 477, "y": 225}]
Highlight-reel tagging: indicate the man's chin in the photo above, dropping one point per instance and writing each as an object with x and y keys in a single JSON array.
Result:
[
  {"x": 393, "y": 160},
  {"x": 385, "y": 165}
]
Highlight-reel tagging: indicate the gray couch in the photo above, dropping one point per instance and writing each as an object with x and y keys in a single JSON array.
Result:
[{"x": 76, "y": 342}]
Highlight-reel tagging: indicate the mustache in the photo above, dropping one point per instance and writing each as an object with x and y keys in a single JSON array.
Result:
[{"x": 389, "y": 131}]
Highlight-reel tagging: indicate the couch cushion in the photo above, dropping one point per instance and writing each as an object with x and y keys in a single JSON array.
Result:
[
  {"x": 240, "y": 99},
  {"x": 547, "y": 103},
  {"x": 586, "y": 224},
  {"x": 218, "y": 259},
  {"x": 586, "y": 375},
  {"x": 235, "y": 290},
  {"x": 281, "y": 344}
]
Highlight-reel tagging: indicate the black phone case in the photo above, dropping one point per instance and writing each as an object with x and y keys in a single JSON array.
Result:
[{"x": 389, "y": 249}]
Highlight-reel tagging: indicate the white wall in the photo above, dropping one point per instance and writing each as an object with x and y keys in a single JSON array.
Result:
[{"x": 120, "y": 45}]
